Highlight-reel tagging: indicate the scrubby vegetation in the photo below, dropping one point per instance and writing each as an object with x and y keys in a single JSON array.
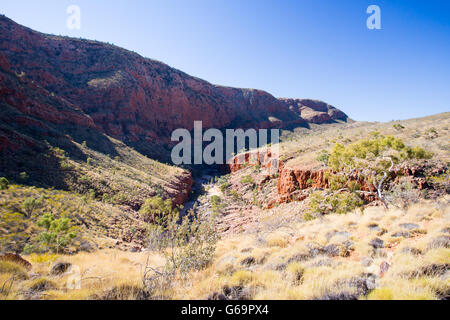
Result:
[
  {"x": 187, "y": 243},
  {"x": 364, "y": 154},
  {"x": 22, "y": 210},
  {"x": 368, "y": 161},
  {"x": 57, "y": 234},
  {"x": 340, "y": 203},
  {"x": 353, "y": 256},
  {"x": 4, "y": 183},
  {"x": 329, "y": 238},
  {"x": 247, "y": 180},
  {"x": 156, "y": 210}
]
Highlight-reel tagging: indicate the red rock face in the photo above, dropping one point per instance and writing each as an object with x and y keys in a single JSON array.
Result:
[
  {"x": 314, "y": 111},
  {"x": 26, "y": 104},
  {"x": 293, "y": 180},
  {"x": 180, "y": 188},
  {"x": 132, "y": 98},
  {"x": 260, "y": 158},
  {"x": 298, "y": 178},
  {"x": 51, "y": 86}
]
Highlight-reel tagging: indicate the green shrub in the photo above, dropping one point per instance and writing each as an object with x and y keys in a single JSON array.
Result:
[
  {"x": 431, "y": 134},
  {"x": 92, "y": 195},
  {"x": 353, "y": 186},
  {"x": 235, "y": 195},
  {"x": 323, "y": 157},
  {"x": 247, "y": 180},
  {"x": 417, "y": 153},
  {"x": 119, "y": 198},
  {"x": 58, "y": 234},
  {"x": 362, "y": 153},
  {"x": 31, "y": 204},
  {"x": 155, "y": 210},
  {"x": 66, "y": 165},
  {"x": 224, "y": 186},
  {"x": 215, "y": 200},
  {"x": 337, "y": 182},
  {"x": 371, "y": 159},
  {"x": 186, "y": 245},
  {"x": 4, "y": 183},
  {"x": 340, "y": 203},
  {"x": 106, "y": 198},
  {"x": 216, "y": 203}
]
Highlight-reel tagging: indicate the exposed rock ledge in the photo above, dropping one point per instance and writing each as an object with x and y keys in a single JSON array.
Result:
[{"x": 292, "y": 180}]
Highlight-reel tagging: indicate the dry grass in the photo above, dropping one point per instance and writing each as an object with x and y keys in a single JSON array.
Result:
[
  {"x": 281, "y": 267},
  {"x": 282, "y": 256}
]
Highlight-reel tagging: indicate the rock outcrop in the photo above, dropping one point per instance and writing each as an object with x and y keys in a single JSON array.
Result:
[
  {"x": 294, "y": 182},
  {"x": 315, "y": 111},
  {"x": 180, "y": 188}
]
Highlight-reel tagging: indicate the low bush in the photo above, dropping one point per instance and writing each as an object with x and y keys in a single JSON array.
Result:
[
  {"x": 58, "y": 234},
  {"x": 187, "y": 244},
  {"x": 340, "y": 203},
  {"x": 4, "y": 183},
  {"x": 247, "y": 180}
]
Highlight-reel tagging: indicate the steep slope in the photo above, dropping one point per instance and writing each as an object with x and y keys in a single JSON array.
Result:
[
  {"x": 45, "y": 140},
  {"x": 84, "y": 116},
  {"x": 138, "y": 100}
]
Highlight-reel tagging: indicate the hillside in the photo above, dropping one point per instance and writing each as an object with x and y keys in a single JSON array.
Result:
[
  {"x": 251, "y": 193},
  {"x": 355, "y": 210},
  {"x": 272, "y": 248},
  {"x": 130, "y": 98}
]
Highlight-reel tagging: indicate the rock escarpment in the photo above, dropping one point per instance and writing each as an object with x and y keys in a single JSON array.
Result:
[
  {"x": 314, "y": 111},
  {"x": 62, "y": 89},
  {"x": 131, "y": 98}
]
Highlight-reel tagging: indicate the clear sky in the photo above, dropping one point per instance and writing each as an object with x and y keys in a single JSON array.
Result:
[{"x": 301, "y": 48}]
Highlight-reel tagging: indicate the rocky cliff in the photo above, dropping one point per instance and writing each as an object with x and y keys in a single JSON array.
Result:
[
  {"x": 294, "y": 182},
  {"x": 128, "y": 97}
]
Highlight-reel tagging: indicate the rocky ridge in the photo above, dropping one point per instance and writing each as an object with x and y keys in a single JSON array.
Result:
[{"x": 128, "y": 97}]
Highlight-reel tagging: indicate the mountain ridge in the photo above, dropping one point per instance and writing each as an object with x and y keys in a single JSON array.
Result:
[{"x": 139, "y": 100}]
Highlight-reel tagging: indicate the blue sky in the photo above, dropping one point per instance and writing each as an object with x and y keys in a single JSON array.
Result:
[{"x": 306, "y": 49}]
